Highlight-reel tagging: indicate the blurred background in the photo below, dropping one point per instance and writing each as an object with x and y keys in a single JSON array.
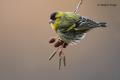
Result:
[{"x": 25, "y": 32}]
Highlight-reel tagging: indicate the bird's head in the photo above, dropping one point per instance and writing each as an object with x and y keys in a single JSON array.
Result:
[{"x": 55, "y": 19}]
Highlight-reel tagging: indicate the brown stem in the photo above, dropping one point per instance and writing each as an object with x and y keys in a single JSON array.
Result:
[{"x": 78, "y": 6}]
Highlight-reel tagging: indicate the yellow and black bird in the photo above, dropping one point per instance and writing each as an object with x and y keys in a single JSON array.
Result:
[{"x": 71, "y": 28}]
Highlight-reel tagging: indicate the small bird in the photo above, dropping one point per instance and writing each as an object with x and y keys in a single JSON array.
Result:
[{"x": 70, "y": 28}]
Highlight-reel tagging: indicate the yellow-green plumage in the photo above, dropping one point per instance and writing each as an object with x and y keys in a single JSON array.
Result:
[{"x": 71, "y": 27}]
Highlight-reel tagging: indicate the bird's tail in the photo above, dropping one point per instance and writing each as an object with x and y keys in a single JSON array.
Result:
[{"x": 102, "y": 24}]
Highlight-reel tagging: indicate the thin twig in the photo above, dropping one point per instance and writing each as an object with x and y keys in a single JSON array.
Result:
[
  {"x": 64, "y": 60},
  {"x": 60, "y": 63},
  {"x": 60, "y": 58},
  {"x": 53, "y": 54},
  {"x": 78, "y": 6}
]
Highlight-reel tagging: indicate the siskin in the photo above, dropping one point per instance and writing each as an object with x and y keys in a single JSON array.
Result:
[{"x": 70, "y": 28}]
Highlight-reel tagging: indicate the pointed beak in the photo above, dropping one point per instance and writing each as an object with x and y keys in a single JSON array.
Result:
[{"x": 51, "y": 22}]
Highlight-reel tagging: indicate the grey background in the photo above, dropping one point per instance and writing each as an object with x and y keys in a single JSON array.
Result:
[{"x": 24, "y": 47}]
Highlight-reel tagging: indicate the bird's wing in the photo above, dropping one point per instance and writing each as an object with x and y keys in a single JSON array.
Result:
[
  {"x": 85, "y": 23},
  {"x": 68, "y": 22},
  {"x": 68, "y": 31}
]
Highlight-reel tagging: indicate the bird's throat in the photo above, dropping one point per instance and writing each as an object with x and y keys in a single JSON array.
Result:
[
  {"x": 55, "y": 24},
  {"x": 53, "y": 27}
]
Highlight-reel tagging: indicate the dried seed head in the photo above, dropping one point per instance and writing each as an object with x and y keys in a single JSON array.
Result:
[
  {"x": 52, "y": 40},
  {"x": 58, "y": 43},
  {"x": 65, "y": 45}
]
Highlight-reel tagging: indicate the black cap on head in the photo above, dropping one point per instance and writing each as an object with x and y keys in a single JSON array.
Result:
[{"x": 52, "y": 16}]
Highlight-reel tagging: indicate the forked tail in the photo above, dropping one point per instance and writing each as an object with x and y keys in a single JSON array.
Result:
[{"x": 102, "y": 24}]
